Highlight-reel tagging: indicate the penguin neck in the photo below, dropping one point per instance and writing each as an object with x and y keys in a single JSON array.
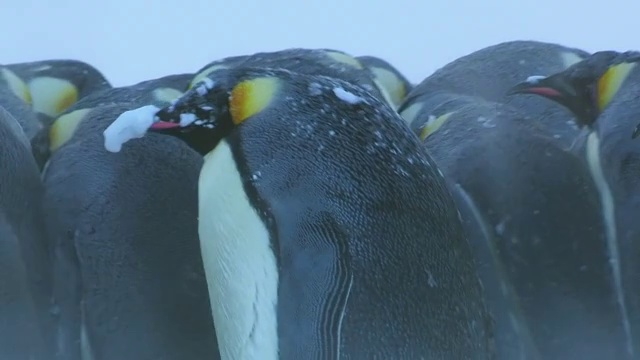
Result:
[{"x": 239, "y": 262}]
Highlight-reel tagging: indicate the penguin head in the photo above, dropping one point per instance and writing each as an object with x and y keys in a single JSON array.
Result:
[
  {"x": 52, "y": 86},
  {"x": 585, "y": 88},
  {"x": 211, "y": 110}
]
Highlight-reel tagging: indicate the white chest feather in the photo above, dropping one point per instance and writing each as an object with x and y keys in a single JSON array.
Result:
[
  {"x": 239, "y": 263},
  {"x": 608, "y": 212},
  {"x": 85, "y": 345}
]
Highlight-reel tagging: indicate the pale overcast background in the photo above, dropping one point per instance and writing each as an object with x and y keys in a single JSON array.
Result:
[{"x": 135, "y": 40}]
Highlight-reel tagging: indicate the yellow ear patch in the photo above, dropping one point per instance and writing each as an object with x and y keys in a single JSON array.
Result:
[
  {"x": 394, "y": 86},
  {"x": 166, "y": 94},
  {"x": 251, "y": 97},
  {"x": 204, "y": 73},
  {"x": 569, "y": 58},
  {"x": 611, "y": 81},
  {"x": 51, "y": 96},
  {"x": 433, "y": 124},
  {"x": 410, "y": 113},
  {"x": 64, "y": 127},
  {"x": 385, "y": 94},
  {"x": 17, "y": 85},
  {"x": 345, "y": 59}
]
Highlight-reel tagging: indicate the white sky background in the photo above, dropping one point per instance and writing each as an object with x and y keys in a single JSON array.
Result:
[{"x": 135, "y": 40}]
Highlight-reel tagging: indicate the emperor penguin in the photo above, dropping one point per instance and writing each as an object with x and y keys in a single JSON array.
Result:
[
  {"x": 537, "y": 205},
  {"x": 49, "y": 87},
  {"x": 327, "y": 62},
  {"x": 389, "y": 77},
  {"x": 491, "y": 71},
  {"x": 513, "y": 336},
  {"x": 129, "y": 280},
  {"x": 326, "y": 229},
  {"x": 602, "y": 93},
  {"x": 26, "y": 325}
]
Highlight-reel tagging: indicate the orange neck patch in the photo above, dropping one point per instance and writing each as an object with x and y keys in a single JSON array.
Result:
[
  {"x": 345, "y": 59},
  {"x": 611, "y": 81},
  {"x": 64, "y": 127},
  {"x": 17, "y": 86},
  {"x": 251, "y": 97},
  {"x": 434, "y": 124},
  {"x": 52, "y": 96}
]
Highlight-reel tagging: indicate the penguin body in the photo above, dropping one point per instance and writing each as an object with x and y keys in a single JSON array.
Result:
[
  {"x": 130, "y": 280},
  {"x": 514, "y": 339},
  {"x": 327, "y": 62},
  {"x": 326, "y": 230},
  {"x": 395, "y": 83},
  {"x": 25, "y": 296},
  {"x": 488, "y": 73},
  {"x": 539, "y": 206},
  {"x": 602, "y": 93}
]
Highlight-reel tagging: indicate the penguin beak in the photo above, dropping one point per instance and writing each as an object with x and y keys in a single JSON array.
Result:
[
  {"x": 184, "y": 115},
  {"x": 166, "y": 128},
  {"x": 163, "y": 126},
  {"x": 196, "y": 126},
  {"x": 557, "y": 88},
  {"x": 548, "y": 87}
]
